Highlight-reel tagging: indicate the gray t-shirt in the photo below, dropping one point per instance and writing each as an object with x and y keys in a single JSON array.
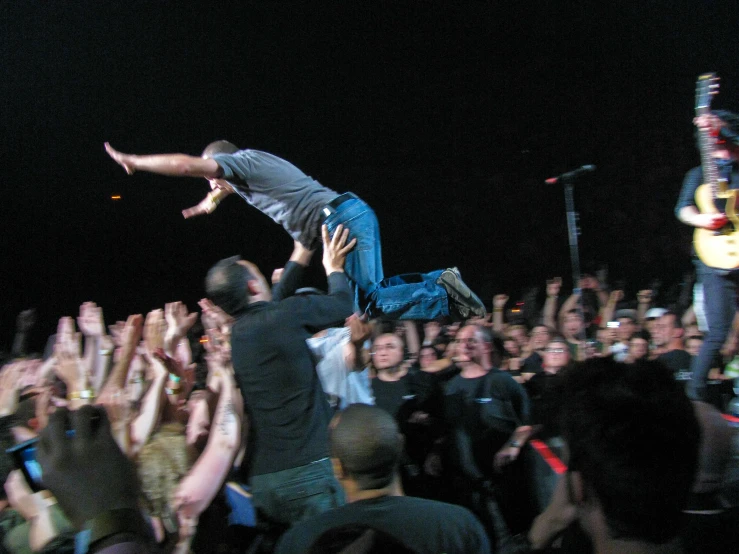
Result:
[{"x": 279, "y": 190}]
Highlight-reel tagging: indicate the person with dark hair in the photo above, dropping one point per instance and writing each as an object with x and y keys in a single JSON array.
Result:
[
  {"x": 486, "y": 413},
  {"x": 719, "y": 133},
  {"x": 366, "y": 448},
  {"x": 632, "y": 438},
  {"x": 300, "y": 204},
  {"x": 288, "y": 466}
]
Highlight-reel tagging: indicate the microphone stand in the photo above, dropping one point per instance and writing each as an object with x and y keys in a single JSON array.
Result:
[{"x": 572, "y": 233}]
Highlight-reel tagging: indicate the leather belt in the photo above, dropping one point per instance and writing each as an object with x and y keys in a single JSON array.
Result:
[{"x": 332, "y": 206}]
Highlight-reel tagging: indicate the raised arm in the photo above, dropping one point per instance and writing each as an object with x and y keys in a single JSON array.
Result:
[
  {"x": 173, "y": 165},
  {"x": 549, "y": 313}
]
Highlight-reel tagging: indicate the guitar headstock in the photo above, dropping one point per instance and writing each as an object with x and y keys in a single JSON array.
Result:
[{"x": 705, "y": 88}]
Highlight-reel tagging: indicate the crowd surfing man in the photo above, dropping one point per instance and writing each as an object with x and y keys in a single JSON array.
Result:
[{"x": 301, "y": 204}]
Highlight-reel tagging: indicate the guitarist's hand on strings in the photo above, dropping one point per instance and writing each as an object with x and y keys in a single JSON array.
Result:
[{"x": 709, "y": 221}]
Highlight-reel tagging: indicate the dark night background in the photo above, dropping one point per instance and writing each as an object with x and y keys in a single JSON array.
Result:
[{"x": 445, "y": 117}]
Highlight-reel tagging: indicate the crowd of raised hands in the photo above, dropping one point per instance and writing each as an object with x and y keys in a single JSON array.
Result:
[{"x": 122, "y": 409}]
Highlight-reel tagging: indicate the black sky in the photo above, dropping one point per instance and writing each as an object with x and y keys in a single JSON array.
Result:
[{"x": 444, "y": 116}]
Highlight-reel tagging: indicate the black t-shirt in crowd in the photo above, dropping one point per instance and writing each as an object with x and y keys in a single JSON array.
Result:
[
  {"x": 481, "y": 414},
  {"x": 287, "y": 410},
  {"x": 424, "y": 526},
  {"x": 544, "y": 394},
  {"x": 678, "y": 361}
]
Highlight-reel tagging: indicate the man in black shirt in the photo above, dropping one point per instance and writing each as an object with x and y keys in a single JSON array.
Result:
[
  {"x": 288, "y": 470},
  {"x": 486, "y": 412},
  {"x": 366, "y": 448}
]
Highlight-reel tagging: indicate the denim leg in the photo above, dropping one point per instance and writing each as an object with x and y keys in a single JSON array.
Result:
[
  {"x": 719, "y": 297},
  {"x": 298, "y": 493},
  {"x": 363, "y": 264},
  {"x": 411, "y": 296}
]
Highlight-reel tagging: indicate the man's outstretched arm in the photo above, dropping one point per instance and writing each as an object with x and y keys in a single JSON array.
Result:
[{"x": 174, "y": 165}]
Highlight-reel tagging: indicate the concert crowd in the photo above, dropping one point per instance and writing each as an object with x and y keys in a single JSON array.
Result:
[{"x": 171, "y": 437}]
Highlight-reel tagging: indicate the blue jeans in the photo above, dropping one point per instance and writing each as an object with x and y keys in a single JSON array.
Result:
[
  {"x": 719, "y": 304},
  {"x": 295, "y": 494},
  {"x": 409, "y": 296}
]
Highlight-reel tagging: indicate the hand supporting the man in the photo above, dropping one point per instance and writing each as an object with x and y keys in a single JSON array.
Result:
[{"x": 335, "y": 249}]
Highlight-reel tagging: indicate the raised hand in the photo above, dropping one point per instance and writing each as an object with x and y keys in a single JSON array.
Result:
[
  {"x": 126, "y": 161},
  {"x": 336, "y": 248},
  {"x": 499, "y": 301},
  {"x": 26, "y": 320},
  {"x": 179, "y": 323},
  {"x": 644, "y": 296},
  {"x": 67, "y": 340},
  {"x": 90, "y": 320},
  {"x": 554, "y": 286},
  {"x": 155, "y": 328}
]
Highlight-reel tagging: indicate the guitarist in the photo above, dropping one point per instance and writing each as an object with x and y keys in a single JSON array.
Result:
[{"x": 719, "y": 285}]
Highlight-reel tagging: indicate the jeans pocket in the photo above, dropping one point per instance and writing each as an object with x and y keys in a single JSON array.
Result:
[{"x": 305, "y": 497}]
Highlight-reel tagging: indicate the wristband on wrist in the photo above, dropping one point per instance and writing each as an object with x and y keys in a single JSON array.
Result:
[{"x": 86, "y": 394}]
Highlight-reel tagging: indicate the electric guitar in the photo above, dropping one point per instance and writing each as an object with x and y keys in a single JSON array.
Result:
[{"x": 717, "y": 248}]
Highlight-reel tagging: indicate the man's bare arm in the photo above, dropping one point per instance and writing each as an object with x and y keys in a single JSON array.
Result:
[{"x": 174, "y": 165}]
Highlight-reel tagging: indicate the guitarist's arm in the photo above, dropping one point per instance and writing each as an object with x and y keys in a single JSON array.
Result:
[{"x": 691, "y": 216}]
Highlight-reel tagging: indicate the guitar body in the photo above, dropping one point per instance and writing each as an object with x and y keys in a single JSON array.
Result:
[{"x": 719, "y": 248}]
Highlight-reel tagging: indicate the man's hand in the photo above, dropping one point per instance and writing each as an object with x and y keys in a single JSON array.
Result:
[
  {"x": 26, "y": 320},
  {"x": 708, "y": 121},
  {"x": 154, "y": 330},
  {"x": 179, "y": 323},
  {"x": 206, "y": 206},
  {"x": 709, "y": 221},
  {"x": 644, "y": 296},
  {"x": 126, "y": 161},
  {"x": 553, "y": 286},
  {"x": 335, "y": 249},
  {"x": 506, "y": 455},
  {"x": 90, "y": 320},
  {"x": 87, "y": 473},
  {"x": 499, "y": 301}
]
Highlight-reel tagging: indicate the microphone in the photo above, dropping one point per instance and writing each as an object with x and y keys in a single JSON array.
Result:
[{"x": 570, "y": 174}]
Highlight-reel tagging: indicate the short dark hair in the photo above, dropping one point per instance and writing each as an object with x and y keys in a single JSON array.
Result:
[
  {"x": 226, "y": 285},
  {"x": 219, "y": 147},
  {"x": 367, "y": 442},
  {"x": 633, "y": 435}
]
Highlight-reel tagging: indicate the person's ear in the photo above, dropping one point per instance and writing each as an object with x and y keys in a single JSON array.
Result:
[
  {"x": 254, "y": 288},
  {"x": 338, "y": 469}
]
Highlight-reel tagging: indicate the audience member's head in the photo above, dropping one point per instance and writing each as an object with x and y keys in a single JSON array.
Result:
[
  {"x": 639, "y": 346},
  {"x": 366, "y": 447},
  {"x": 387, "y": 351},
  {"x": 633, "y": 449},
  {"x": 556, "y": 354},
  {"x": 232, "y": 283},
  {"x": 693, "y": 344}
]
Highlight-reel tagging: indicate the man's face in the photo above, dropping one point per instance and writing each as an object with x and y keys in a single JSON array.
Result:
[
  {"x": 638, "y": 348},
  {"x": 693, "y": 345},
  {"x": 427, "y": 356},
  {"x": 626, "y": 328},
  {"x": 573, "y": 324},
  {"x": 556, "y": 355},
  {"x": 470, "y": 346},
  {"x": 387, "y": 351},
  {"x": 539, "y": 337},
  {"x": 519, "y": 335}
]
